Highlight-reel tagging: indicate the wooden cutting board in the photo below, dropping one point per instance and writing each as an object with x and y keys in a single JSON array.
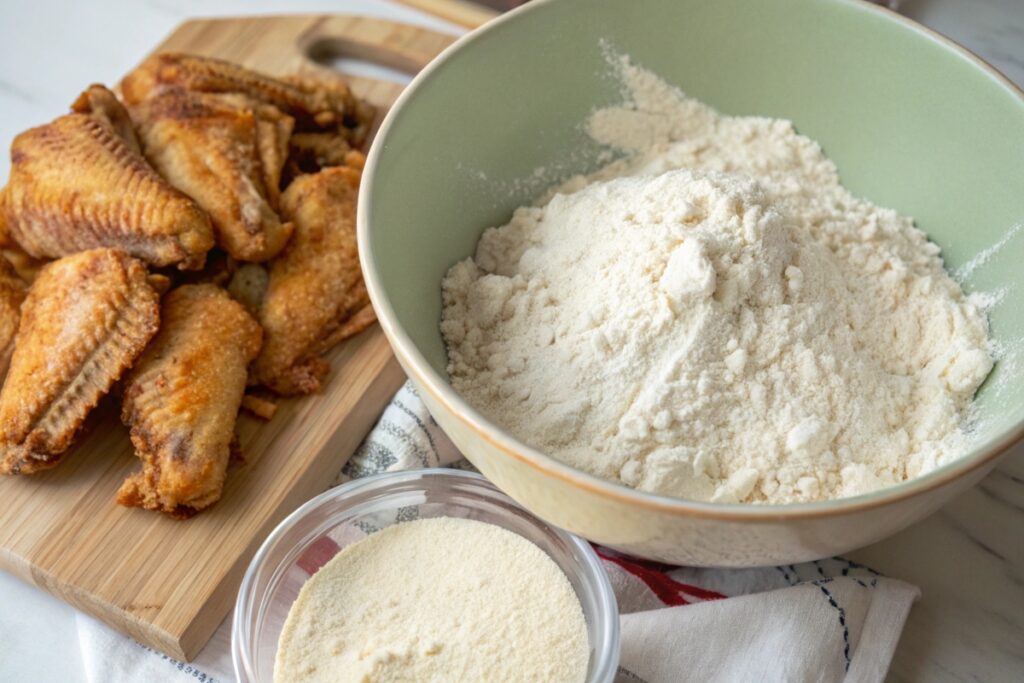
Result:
[{"x": 169, "y": 583}]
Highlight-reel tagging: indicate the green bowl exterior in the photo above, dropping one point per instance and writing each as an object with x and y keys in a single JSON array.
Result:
[{"x": 911, "y": 121}]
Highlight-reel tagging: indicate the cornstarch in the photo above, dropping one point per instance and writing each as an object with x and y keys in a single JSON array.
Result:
[
  {"x": 434, "y": 601},
  {"x": 714, "y": 317}
]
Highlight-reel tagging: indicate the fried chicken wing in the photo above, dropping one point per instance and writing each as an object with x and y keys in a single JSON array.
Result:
[
  {"x": 273, "y": 131},
  {"x": 103, "y": 105},
  {"x": 315, "y": 295},
  {"x": 353, "y": 118},
  {"x": 12, "y": 293},
  {"x": 313, "y": 104},
  {"x": 85, "y": 320},
  {"x": 182, "y": 398},
  {"x": 226, "y": 152},
  {"x": 75, "y": 184},
  {"x": 6, "y": 241}
]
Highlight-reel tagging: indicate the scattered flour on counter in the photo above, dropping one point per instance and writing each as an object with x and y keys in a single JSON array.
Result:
[{"x": 715, "y": 317}]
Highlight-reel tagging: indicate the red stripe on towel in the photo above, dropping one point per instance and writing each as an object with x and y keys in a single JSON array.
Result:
[{"x": 668, "y": 590}]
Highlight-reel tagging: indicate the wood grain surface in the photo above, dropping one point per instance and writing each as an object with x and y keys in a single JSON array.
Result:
[
  {"x": 461, "y": 12},
  {"x": 168, "y": 583}
]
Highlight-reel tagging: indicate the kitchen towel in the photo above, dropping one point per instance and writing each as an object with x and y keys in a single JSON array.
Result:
[{"x": 830, "y": 620}]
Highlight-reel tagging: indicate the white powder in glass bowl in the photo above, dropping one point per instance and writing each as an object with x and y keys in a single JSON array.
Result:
[
  {"x": 716, "y": 318},
  {"x": 439, "y": 600}
]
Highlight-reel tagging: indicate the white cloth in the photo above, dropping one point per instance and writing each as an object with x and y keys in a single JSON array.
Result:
[{"x": 829, "y": 620}]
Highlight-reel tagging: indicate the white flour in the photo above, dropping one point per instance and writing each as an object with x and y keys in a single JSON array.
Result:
[
  {"x": 716, "y": 318},
  {"x": 435, "y": 601}
]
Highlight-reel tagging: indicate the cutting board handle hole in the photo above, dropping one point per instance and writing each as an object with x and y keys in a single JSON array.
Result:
[{"x": 361, "y": 60}]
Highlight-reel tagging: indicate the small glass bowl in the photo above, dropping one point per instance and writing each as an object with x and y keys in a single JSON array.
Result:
[{"x": 314, "y": 533}]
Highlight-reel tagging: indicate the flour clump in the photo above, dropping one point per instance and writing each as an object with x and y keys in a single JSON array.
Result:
[{"x": 715, "y": 317}]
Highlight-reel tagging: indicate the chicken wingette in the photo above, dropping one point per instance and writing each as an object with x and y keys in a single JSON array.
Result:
[
  {"x": 77, "y": 184},
  {"x": 314, "y": 104},
  {"x": 226, "y": 152},
  {"x": 315, "y": 296},
  {"x": 181, "y": 400},
  {"x": 85, "y": 320}
]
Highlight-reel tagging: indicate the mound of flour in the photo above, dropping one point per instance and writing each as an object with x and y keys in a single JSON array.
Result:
[{"x": 716, "y": 318}]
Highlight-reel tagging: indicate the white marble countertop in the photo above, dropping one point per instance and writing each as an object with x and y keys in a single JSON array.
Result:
[{"x": 968, "y": 558}]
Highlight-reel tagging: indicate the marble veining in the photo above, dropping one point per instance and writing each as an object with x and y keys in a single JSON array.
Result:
[{"x": 968, "y": 559}]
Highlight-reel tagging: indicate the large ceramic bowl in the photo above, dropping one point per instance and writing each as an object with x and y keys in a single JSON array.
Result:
[{"x": 913, "y": 122}]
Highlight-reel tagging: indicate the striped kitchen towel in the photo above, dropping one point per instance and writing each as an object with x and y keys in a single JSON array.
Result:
[{"x": 831, "y": 620}]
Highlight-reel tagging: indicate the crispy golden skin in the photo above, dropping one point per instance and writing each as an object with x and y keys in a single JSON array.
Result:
[
  {"x": 273, "y": 131},
  {"x": 314, "y": 104},
  {"x": 75, "y": 184},
  {"x": 104, "y": 106},
  {"x": 226, "y": 152},
  {"x": 12, "y": 293},
  {"x": 315, "y": 295},
  {"x": 86, "y": 318},
  {"x": 182, "y": 398},
  {"x": 6, "y": 241}
]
